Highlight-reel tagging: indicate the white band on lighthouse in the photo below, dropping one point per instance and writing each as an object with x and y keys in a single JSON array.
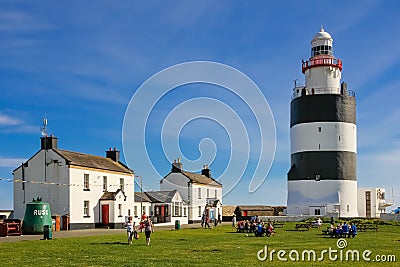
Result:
[{"x": 323, "y": 136}]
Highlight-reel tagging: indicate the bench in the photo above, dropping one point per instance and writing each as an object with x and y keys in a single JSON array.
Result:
[
  {"x": 334, "y": 234},
  {"x": 243, "y": 230},
  {"x": 278, "y": 224},
  {"x": 303, "y": 225}
]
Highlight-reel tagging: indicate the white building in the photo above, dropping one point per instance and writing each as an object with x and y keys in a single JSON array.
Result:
[
  {"x": 201, "y": 192},
  {"x": 372, "y": 202},
  {"x": 163, "y": 206},
  {"x": 92, "y": 190}
]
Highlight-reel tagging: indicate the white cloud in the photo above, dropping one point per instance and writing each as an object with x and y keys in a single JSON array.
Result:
[
  {"x": 11, "y": 162},
  {"x": 7, "y": 120},
  {"x": 11, "y": 124},
  {"x": 15, "y": 21}
]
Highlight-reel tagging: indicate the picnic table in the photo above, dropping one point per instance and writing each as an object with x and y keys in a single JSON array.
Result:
[
  {"x": 363, "y": 227},
  {"x": 303, "y": 225},
  {"x": 334, "y": 233}
]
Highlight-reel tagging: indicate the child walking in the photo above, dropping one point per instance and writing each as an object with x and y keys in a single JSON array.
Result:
[{"x": 130, "y": 229}]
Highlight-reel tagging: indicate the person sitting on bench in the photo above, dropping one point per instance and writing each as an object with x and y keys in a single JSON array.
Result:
[
  {"x": 353, "y": 230},
  {"x": 345, "y": 229}
]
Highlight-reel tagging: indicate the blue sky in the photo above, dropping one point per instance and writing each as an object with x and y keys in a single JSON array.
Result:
[{"x": 79, "y": 64}]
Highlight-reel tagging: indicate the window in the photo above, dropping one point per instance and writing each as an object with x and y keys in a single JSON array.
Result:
[
  {"x": 184, "y": 212},
  {"x": 135, "y": 211},
  {"x": 321, "y": 50},
  {"x": 144, "y": 209},
  {"x": 208, "y": 193},
  {"x": 317, "y": 212},
  {"x": 86, "y": 208},
  {"x": 129, "y": 212},
  {"x": 86, "y": 182},
  {"x": 119, "y": 210},
  {"x": 104, "y": 183},
  {"x": 319, "y": 129},
  {"x": 348, "y": 208},
  {"x": 199, "y": 211},
  {"x": 121, "y": 184},
  {"x": 176, "y": 209},
  {"x": 215, "y": 193},
  {"x": 199, "y": 193}
]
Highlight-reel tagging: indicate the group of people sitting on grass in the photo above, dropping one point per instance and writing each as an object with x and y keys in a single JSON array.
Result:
[
  {"x": 343, "y": 230},
  {"x": 256, "y": 226}
]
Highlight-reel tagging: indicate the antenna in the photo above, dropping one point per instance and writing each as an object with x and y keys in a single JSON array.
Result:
[{"x": 44, "y": 127}]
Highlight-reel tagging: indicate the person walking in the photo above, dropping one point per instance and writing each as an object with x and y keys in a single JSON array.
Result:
[
  {"x": 130, "y": 229},
  {"x": 234, "y": 222},
  {"x": 148, "y": 229},
  {"x": 207, "y": 222}
]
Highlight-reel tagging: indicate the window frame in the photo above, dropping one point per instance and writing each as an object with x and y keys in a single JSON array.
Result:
[
  {"x": 86, "y": 182},
  {"x": 86, "y": 209}
]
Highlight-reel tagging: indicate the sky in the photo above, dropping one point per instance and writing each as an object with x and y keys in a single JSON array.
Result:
[{"x": 85, "y": 67}]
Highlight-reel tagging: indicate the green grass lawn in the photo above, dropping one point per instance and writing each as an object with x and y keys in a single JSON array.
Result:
[{"x": 197, "y": 247}]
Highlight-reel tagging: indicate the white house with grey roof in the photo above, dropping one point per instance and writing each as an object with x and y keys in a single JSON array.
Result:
[
  {"x": 163, "y": 206},
  {"x": 93, "y": 191},
  {"x": 201, "y": 192}
]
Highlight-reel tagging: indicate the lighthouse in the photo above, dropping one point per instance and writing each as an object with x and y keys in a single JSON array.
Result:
[{"x": 322, "y": 179}]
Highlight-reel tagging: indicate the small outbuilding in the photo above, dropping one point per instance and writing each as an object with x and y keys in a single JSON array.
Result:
[{"x": 244, "y": 211}]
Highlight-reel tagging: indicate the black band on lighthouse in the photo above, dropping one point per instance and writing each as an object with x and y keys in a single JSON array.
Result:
[
  {"x": 316, "y": 108},
  {"x": 329, "y": 165}
]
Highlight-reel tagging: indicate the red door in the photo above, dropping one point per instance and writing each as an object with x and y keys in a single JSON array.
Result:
[
  {"x": 105, "y": 214},
  {"x": 163, "y": 214}
]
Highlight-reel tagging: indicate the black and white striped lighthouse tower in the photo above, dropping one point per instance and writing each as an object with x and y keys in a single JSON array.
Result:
[{"x": 322, "y": 179}]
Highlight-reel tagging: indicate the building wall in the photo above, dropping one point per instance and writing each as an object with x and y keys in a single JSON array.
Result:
[
  {"x": 78, "y": 195},
  {"x": 189, "y": 193},
  {"x": 66, "y": 194},
  {"x": 375, "y": 199},
  {"x": 176, "y": 181},
  {"x": 53, "y": 172},
  {"x": 329, "y": 195}
]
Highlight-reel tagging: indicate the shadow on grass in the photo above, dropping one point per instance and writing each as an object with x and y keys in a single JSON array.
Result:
[{"x": 111, "y": 243}]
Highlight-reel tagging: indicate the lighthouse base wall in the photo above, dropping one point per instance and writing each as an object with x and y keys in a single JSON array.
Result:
[{"x": 319, "y": 198}]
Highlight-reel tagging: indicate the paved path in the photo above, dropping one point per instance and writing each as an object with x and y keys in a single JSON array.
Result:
[{"x": 87, "y": 232}]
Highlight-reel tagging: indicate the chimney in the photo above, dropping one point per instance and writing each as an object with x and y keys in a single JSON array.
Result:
[
  {"x": 49, "y": 142},
  {"x": 113, "y": 154},
  {"x": 206, "y": 171},
  {"x": 177, "y": 166}
]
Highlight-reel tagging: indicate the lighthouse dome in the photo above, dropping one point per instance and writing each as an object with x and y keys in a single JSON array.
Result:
[
  {"x": 321, "y": 44},
  {"x": 322, "y": 35}
]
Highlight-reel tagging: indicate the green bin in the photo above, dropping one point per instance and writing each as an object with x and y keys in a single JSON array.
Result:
[
  {"x": 177, "y": 224},
  {"x": 47, "y": 232}
]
